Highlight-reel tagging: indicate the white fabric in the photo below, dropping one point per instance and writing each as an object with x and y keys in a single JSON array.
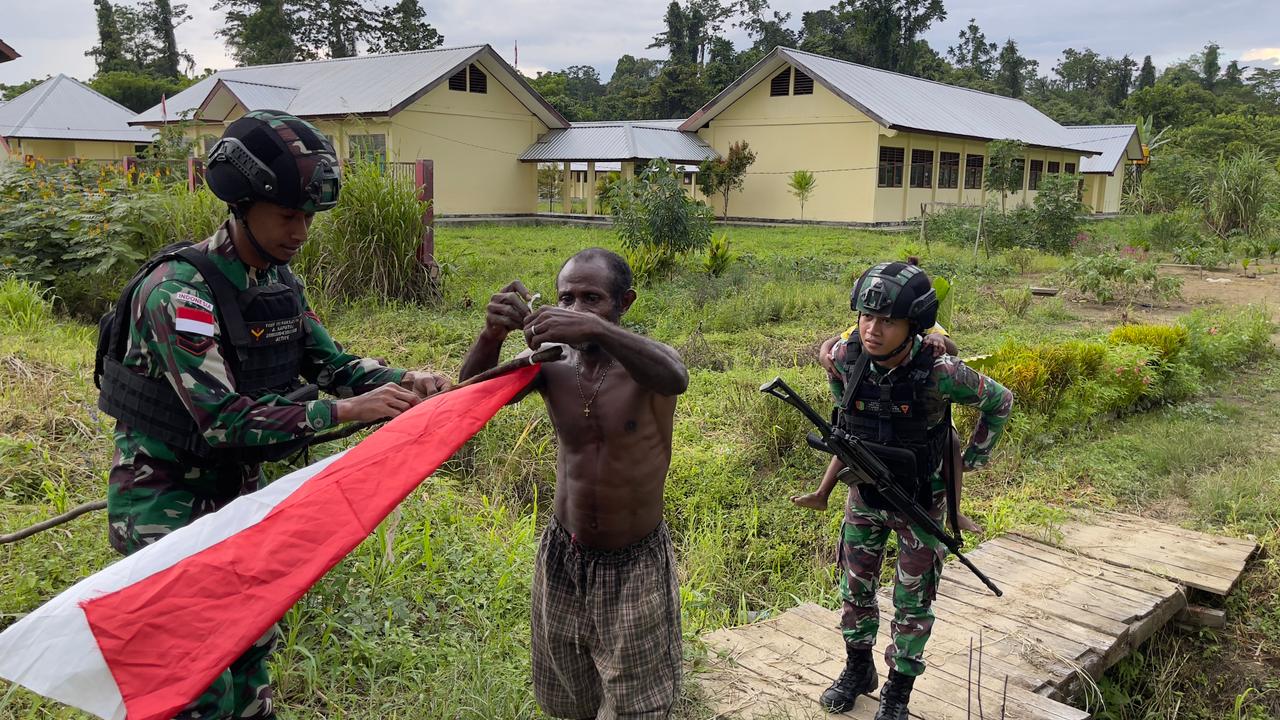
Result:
[{"x": 53, "y": 652}]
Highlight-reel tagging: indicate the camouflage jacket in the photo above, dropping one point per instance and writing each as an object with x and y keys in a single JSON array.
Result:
[
  {"x": 188, "y": 353},
  {"x": 951, "y": 381}
]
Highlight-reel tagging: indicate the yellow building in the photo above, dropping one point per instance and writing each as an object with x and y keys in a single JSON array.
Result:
[
  {"x": 882, "y": 145},
  {"x": 465, "y": 109},
  {"x": 62, "y": 119},
  {"x": 1104, "y": 174}
]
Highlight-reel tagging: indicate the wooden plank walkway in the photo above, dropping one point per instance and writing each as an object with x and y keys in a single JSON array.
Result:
[{"x": 1076, "y": 601}]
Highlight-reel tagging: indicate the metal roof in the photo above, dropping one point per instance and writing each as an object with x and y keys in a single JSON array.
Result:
[
  {"x": 1117, "y": 142},
  {"x": 608, "y": 166},
  {"x": 363, "y": 85},
  {"x": 903, "y": 102},
  {"x": 61, "y": 108},
  {"x": 622, "y": 140}
]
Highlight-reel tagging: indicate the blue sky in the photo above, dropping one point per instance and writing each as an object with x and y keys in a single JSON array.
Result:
[{"x": 52, "y": 35}]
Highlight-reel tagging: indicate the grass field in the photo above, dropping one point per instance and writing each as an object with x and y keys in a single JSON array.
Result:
[{"x": 428, "y": 617}]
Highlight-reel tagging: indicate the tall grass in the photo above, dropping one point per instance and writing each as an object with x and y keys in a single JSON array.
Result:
[
  {"x": 368, "y": 245},
  {"x": 24, "y": 306},
  {"x": 1236, "y": 191}
]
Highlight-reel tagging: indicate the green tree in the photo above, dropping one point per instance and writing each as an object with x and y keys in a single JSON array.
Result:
[
  {"x": 9, "y": 92},
  {"x": 721, "y": 176},
  {"x": 1004, "y": 168},
  {"x": 677, "y": 92},
  {"x": 1147, "y": 75},
  {"x": 1172, "y": 105},
  {"x": 108, "y": 54},
  {"x": 973, "y": 52},
  {"x": 627, "y": 94},
  {"x": 1056, "y": 213},
  {"x": 259, "y": 32},
  {"x": 164, "y": 18},
  {"x": 549, "y": 185},
  {"x": 1014, "y": 70},
  {"x": 802, "y": 184},
  {"x": 333, "y": 28},
  {"x": 880, "y": 33},
  {"x": 403, "y": 27},
  {"x": 1210, "y": 66},
  {"x": 134, "y": 90}
]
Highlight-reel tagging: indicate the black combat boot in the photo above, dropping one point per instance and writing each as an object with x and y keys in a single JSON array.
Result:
[
  {"x": 858, "y": 677},
  {"x": 894, "y": 697}
]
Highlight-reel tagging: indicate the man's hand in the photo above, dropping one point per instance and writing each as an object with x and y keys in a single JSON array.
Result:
[
  {"x": 425, "y": 384},
  {"x": 507, "y": 311},
  {"x": 382, "y": 403},
  {"x": 824, "y": 356},
  {"x": 552, "y": 324},
  {"x": 935, "y": 343}
]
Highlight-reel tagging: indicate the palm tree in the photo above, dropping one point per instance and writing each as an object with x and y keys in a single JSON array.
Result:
[{"x": 802, "y": 184}]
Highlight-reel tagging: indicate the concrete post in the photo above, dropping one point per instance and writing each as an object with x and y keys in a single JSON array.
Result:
[
  {"x": 424, "y": 180},
  {"x": 591, "y": 187}
]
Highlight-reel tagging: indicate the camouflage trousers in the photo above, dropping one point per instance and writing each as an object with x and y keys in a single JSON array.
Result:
[
  {"x": 148, "y": 499},
  {"x": 863, "y": 536}
]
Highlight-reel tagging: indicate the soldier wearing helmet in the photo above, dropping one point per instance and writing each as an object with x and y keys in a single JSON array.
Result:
[
  {"x": 201, "y": 359},
  {"x": 896, "y": 398}
]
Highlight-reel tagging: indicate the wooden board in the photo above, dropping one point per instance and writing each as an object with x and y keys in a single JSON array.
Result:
[{"x": 1070, "y": 609}]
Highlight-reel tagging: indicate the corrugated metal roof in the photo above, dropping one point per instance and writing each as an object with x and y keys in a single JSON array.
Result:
[
  {"x": 1115, "y": 141},
  {"x": 903, "y": 102},
  {"x": 260, "y": 96},
  {"x": 61, "y": 108},
  {"x": 624, "y": 140},
  {"x": 363, "y": 85},
  {"x": 608, "y": 166}
]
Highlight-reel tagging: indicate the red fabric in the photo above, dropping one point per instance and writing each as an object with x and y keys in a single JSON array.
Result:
[{"x": 168, "y": 636}]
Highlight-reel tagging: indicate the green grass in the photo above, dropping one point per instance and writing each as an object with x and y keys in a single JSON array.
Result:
[{"x": 429, "y": 617}]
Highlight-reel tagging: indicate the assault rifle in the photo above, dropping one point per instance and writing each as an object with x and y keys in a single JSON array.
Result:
[{"x": 863, "y": 467}]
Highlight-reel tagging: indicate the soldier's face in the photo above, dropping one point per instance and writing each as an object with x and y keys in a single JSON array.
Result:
[
  {"x": 879, "y": 335},
  {"x": 281, "y": 231}
]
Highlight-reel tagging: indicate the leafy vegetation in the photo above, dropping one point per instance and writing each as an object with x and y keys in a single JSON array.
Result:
[
  {"x": 656, "y": 220},
  {"x": 1109, "y": 277},
  {"x": 802, "y": 183}
]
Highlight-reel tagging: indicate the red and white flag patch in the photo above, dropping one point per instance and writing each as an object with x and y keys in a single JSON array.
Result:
[{"x": 195, "y": 321}]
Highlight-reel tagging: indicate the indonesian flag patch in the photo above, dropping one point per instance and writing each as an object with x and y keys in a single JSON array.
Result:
[{"x": 195, "y": 321}]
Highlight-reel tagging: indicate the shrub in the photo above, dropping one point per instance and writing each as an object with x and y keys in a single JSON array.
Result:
[
  {"x": 367, "y": 246},
  {"x": 1166, "y": 340},
  {"x": 1217, "y": 343},
  {"x": 1204, "y": 255},
  {"x": 1180, "y": 228},
  {"x": 1109, "y": 277},
  {"x": 718, "y": 256},
  {"x": 1235, "y": 191},
  {"x": 24, "y": 306},
  {"x": 1056, "y": 213},
  {"x": 648, "y": 262},
  {"x": 1015, "y": 301},
  {"x": 653, "y": 210},
  {"x": 953, "y": 226}
]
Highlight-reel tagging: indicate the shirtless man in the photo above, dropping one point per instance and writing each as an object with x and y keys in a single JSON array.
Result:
[{"x": 606, "y": 602}]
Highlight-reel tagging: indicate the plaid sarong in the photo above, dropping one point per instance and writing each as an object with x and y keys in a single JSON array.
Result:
[{"x": 606, "y": 627}]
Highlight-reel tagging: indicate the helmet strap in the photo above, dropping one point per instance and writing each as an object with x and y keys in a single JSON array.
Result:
[
  {"x": 237, "y": 211},
  {"x": 885, "y": 356}
]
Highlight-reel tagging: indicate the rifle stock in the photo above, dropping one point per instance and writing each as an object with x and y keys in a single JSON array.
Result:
[{"x": 866, "y": 468}]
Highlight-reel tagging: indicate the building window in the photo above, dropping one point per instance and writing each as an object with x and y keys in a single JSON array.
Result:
[
  {"x": 948, "y": 171},
  {"x": 1037, "y": 169},
  {"x": 479, "y": 81},
  {"x": 1071, "y": 168},
  {"x": 891, "y": 167},
  {"x": 781, "y": 84},
  {"x": 458, "y": 81},
  {"x": 1053, "y": 167},
  {"x": 804, "y": 84},
  {"x": 1021, "y": 165},
  {"x": 921, "y": 168},
  {"x": 367, "y": 147},
  {"x": 972, "y": 172}
]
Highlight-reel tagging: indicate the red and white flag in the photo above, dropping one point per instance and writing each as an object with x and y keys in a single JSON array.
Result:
[{"x": 148, "y": 634}]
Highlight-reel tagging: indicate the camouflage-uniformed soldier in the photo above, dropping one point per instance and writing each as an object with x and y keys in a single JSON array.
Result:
[
  {"x": 205, "y": 345},
  {"x": 895, "y": 398}
]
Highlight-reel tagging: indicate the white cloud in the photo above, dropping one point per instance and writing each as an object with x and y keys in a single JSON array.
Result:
[{"x": 1270, "y": 55}]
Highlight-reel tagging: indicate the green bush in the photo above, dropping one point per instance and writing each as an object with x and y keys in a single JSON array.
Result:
[
  {"x": 1177, "y": 229},
  {"x": 718, "y": 256},
  {"x": 953, "y": 226},
  {"x": 1109, "y": 277},
  {"x": 1056, "y": 213},
  {"x": 1236, "y": 190},
  {"x": 368, "y": 245},
  {"x": 654, "y": 210},
  {"x": 1218, "y": 343},
  {"x": 24, "y": 306}
]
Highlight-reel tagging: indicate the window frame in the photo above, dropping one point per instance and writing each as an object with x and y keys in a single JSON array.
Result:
[
  {"x": 973, "y": 180},
  {"x": 1035, "y": 171},
  {"x": 948, "y": 170},
  {"x": 889, "y": 172},
  {"x": 354, "y": 153},
  {"x": 921, "y": 176}
]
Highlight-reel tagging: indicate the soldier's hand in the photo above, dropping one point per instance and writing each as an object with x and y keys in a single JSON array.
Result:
[
  {"x": 425, "y": 384},
  {"x": 381, "y": 403},
  {"x": 507, "y": 310}
]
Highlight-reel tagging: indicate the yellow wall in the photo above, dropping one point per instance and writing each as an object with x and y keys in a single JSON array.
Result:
[
  {"x": 58, "y": 150},
  {"x": 896, "y": 204},
  {"x": 818, "y": 132},
  {"x": 474, "y": 140},
  {"x": 1102, "y": 193}
]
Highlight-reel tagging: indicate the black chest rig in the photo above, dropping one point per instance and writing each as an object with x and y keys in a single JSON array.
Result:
[
  {"x": 890, "y": 414},
  {"x": 263, "y": 342}
]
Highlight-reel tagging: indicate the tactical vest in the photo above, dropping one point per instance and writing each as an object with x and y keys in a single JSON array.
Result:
[
  {"x": 263, "y": 340},
  {"x": 890, "y": 413}
]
